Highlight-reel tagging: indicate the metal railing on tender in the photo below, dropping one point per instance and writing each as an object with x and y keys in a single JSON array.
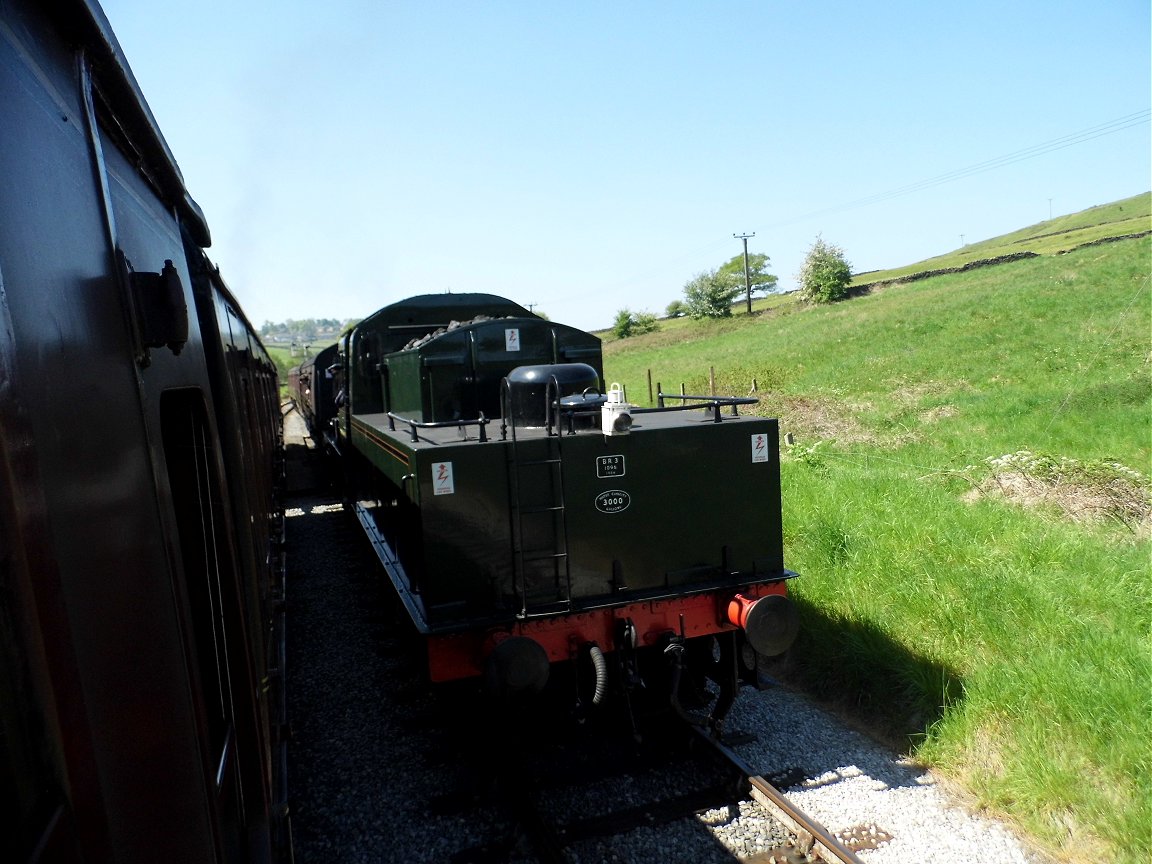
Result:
[
  {"x": 480, "y": 422},
  {"x": 714, "y": 403}
]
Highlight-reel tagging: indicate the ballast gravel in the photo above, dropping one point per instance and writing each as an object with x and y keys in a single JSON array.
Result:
[
  {"x": 853, "y": 786},
  {"x": 371, "y": 778},
  {"x": 851, "y": 782}
]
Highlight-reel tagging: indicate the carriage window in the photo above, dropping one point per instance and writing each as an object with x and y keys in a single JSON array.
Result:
[{"x": 191, "y": 459}]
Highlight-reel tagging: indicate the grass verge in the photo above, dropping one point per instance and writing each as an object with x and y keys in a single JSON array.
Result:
[{"x": 1008, "y": 641}]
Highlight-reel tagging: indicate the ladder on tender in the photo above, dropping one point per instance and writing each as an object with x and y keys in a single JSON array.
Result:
[{"x": 542, "y": 572}]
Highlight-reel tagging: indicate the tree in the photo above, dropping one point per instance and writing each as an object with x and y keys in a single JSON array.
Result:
[
  {"x": 825, "y": 273},
  {"x": 629, "y": 323},
  {"x": 710, "y": 295},
  {"x": 758, "y": 275},
  {"x": 675, "y": 309}
]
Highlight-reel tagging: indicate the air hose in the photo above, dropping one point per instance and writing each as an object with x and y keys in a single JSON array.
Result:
[{"x": 600, "y": 666}]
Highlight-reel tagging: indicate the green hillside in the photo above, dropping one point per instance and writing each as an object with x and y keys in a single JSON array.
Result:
[
  {"x": 1063, "y": 234},
  {"x": 967, "y": 500}
]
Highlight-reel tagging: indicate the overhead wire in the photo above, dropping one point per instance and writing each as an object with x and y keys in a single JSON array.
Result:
[{"x": 1108, "y": 128}]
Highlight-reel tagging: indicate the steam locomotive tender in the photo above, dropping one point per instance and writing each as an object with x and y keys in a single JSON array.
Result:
[
  {"x": 528, "y": 516},
  {"x": 141, "y": 638}
]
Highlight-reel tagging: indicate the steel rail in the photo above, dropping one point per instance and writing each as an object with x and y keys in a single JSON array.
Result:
[
  {"x": 550, "y": 841},
  {"x": 810, "y": 833}
]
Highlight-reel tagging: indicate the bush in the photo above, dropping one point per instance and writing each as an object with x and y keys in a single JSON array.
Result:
[
  {"x": 644, "y": 322},
  {"x": 629, "y": 323},
  {"x": 710, "y": 295},
  {"x": 675, "y": 309},
  {"x": 825, "y": 274}
]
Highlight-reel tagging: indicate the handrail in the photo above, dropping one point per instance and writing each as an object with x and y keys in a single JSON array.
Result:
[
  {"x": 553, "y": 381},
  {"x": 555, "y": 413},
  {"x": 506, "y": 410},
  {"x": 713, "y": 402},
  {"x": 481, "y": 422}
]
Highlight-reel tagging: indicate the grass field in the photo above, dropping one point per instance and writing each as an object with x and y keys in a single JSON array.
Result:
[{"x": 967, "y": 502}]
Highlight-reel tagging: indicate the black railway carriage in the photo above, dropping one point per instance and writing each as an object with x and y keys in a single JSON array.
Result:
[
  {"x": 313, "y": 387},
  {"x": 140, "y": 638},
  {"x": 527, "y": 517}
]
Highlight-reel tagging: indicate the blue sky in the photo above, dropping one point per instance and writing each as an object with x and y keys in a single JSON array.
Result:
[{"x": 589, "y": 156}]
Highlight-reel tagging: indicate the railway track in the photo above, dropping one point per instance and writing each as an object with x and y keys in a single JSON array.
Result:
[
  {"x": 619, "y": 807},
  {"x": 809, "y": 835}
]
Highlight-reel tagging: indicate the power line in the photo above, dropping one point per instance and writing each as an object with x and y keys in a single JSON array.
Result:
[{"x": 1108, "y": 128}]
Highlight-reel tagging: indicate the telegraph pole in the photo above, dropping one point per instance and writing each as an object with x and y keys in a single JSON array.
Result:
[{"x": 747, "y": 277}]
